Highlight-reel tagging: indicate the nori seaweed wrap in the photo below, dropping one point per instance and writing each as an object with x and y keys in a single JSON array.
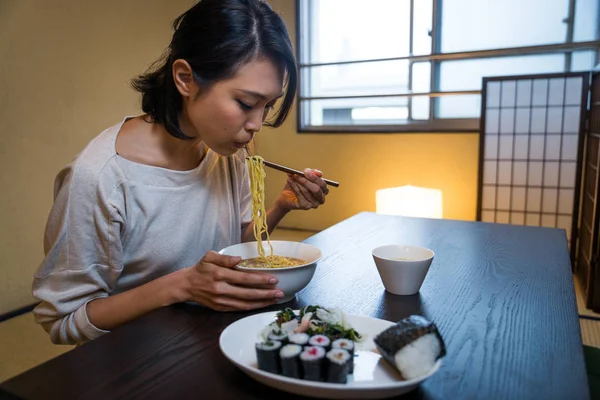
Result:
[
  {"x": 267, "y": 356},
  {"x": 412, "y": 346}
]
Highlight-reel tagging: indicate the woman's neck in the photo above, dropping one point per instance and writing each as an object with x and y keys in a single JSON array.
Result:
[{"x": 151, "y": 144}]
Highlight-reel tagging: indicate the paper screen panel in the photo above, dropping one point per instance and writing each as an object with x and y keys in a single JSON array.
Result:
[{"x": 530, "y": 141}]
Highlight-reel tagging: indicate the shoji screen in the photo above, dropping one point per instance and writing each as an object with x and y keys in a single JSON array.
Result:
[
  {"x": 589, "y": 240},
  {"x": 530, "y": 150}
]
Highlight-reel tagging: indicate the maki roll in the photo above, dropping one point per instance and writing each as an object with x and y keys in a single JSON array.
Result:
[
  {"x": 320, "y": 341},
  {"x": 347, "y": 345},
  {"x": 412, "y": 346},
  {"x": 313, "y": 360},
  {"x": 279, "y": 335},
  {"x": 267, "y": 355},
  {"x": 299, "y": 338},
  {"x": 337, "y": 371},
  {"x": 290, "y": 360}
]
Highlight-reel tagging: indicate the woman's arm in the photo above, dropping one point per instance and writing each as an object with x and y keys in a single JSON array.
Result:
[
  {"x": 107, "y": 313},
  {"x": 212, "y": 282}
]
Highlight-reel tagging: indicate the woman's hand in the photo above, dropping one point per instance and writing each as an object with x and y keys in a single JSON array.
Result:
[
  {"x": 214, "y": 283},
  {"x": 299, "y": 193},
  {"x": 302, "y": 193}
]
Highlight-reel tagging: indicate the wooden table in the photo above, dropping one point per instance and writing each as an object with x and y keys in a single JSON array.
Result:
[{"x": 502, "y": 297}]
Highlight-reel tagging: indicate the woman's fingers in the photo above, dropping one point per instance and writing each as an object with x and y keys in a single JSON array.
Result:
[
  {"x": 225, "y": 289},
  {"x": 307, "y": 200},
  {"x": 314, "y": 175},
  {"x": 221, "y": 260},
  {"x": 215, "y": 262},
  {"x": 314, "y": 185},
  {"x": 229, "y": 274},
  {"x": 215, "y": 283},
  {"x": 245, "y": 278}
]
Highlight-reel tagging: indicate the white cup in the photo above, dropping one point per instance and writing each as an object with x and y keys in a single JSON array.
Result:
[{"x": 402, "y": 268}]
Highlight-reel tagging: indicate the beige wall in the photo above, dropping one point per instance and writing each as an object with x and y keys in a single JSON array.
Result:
[
  {"x": 64, "y": 76},
  {"x": 364, "y": 163}
]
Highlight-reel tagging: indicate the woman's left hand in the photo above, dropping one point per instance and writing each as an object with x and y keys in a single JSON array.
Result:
[{"x": 302, "y": 193}]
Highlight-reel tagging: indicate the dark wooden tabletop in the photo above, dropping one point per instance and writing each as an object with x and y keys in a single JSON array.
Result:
[{"x": 502, "y": 297}]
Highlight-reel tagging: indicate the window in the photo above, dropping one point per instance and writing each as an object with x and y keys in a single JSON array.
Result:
[{"x": 417, "y": 65}]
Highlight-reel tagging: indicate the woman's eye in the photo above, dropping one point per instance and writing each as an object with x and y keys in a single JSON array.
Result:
[{"x": 244, "y": 106}]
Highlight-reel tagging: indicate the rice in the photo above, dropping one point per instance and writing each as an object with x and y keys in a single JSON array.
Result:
[{"x": 418, "y": 357}]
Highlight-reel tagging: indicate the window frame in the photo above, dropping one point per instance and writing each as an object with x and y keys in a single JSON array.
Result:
[{"x": 433, "y": 124}]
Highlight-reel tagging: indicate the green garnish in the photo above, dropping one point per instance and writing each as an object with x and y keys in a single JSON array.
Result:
[
  {"x": 311, "y": 309},
  {"x": 334, "y": 331},
  {"x": 285, "y": 315},
  {"x": 317, "y": 326}
]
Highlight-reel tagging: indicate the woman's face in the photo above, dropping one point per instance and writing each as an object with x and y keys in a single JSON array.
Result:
[{"x": 227, "y": 115}]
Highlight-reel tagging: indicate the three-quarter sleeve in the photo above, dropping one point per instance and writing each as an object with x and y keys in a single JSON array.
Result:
[{"x": 83, "y": 255}]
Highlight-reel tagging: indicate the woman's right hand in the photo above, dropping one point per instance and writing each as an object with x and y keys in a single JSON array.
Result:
[{"x": 215, "y": 283}]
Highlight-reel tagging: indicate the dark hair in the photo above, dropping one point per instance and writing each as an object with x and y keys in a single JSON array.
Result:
[{"x": 217, "y": 37}]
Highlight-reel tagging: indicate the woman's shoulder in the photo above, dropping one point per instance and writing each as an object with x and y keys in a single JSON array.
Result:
[
  {"x": 94, "y": 163},
  {"x": 99, "y": 151}
]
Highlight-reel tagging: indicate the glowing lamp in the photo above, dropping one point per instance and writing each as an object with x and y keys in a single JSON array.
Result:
[{"x": 410, "y": 201}]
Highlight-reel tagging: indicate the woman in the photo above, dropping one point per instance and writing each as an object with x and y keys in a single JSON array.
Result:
[{"x": 139, "y": 213}]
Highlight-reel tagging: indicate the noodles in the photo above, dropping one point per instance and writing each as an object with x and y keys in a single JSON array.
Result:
[
  {"x": 275, "y": 262},
  {"x": 257, "y": 174},
  {"x": 259, "y": 215}
]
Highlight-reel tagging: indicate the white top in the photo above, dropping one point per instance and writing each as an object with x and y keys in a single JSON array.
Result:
[{"x": 117, "y": 224}]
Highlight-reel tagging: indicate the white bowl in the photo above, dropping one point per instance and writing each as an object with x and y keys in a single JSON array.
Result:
[
  {"x": 291, "y": 279},
  {"x": 402, "y": 268}
]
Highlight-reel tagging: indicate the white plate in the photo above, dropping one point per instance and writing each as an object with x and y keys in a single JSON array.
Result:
[{"x": 373, "y": 377}]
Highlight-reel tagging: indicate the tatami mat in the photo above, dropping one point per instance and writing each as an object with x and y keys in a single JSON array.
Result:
[
  {"x": 581, "y": 301},
  {"x": 590, "y": 329},
  {"x": 590, "y": 332}
]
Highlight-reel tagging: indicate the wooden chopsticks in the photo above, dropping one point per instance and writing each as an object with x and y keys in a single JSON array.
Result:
[
  {"x": 288, "y": 170},
  {"x": 295, "y": 172}
]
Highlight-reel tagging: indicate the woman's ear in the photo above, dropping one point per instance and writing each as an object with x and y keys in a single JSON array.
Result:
[{"x": 184, "y": 78}]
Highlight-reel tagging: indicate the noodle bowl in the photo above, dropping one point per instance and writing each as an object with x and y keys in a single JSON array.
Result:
[
  {"x": 291, "y": 279},
  {"x": 256, "y": 170}
]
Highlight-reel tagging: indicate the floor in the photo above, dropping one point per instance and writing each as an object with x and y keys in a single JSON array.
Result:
[
  {"x": 25, "y": 345},
  {"x": 590, "y": 329}
]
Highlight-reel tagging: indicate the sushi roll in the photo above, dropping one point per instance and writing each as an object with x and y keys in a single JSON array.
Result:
[
  {"x": 299, "y": 338},
  {"x": 412, "y": 346},
  {"x": 320, "y": 340},
  {"x": 312, "y": 359},
  {"x": 279, "y": 335},
  {"x": 347, "y": 345},
  {"x": 337, "y": 365},
  {"x": 290, "y": 360},
  {"x": 267, "y": 355}
]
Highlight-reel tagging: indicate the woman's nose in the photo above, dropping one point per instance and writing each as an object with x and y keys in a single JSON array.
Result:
[{"x": 254, "y": 124}]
